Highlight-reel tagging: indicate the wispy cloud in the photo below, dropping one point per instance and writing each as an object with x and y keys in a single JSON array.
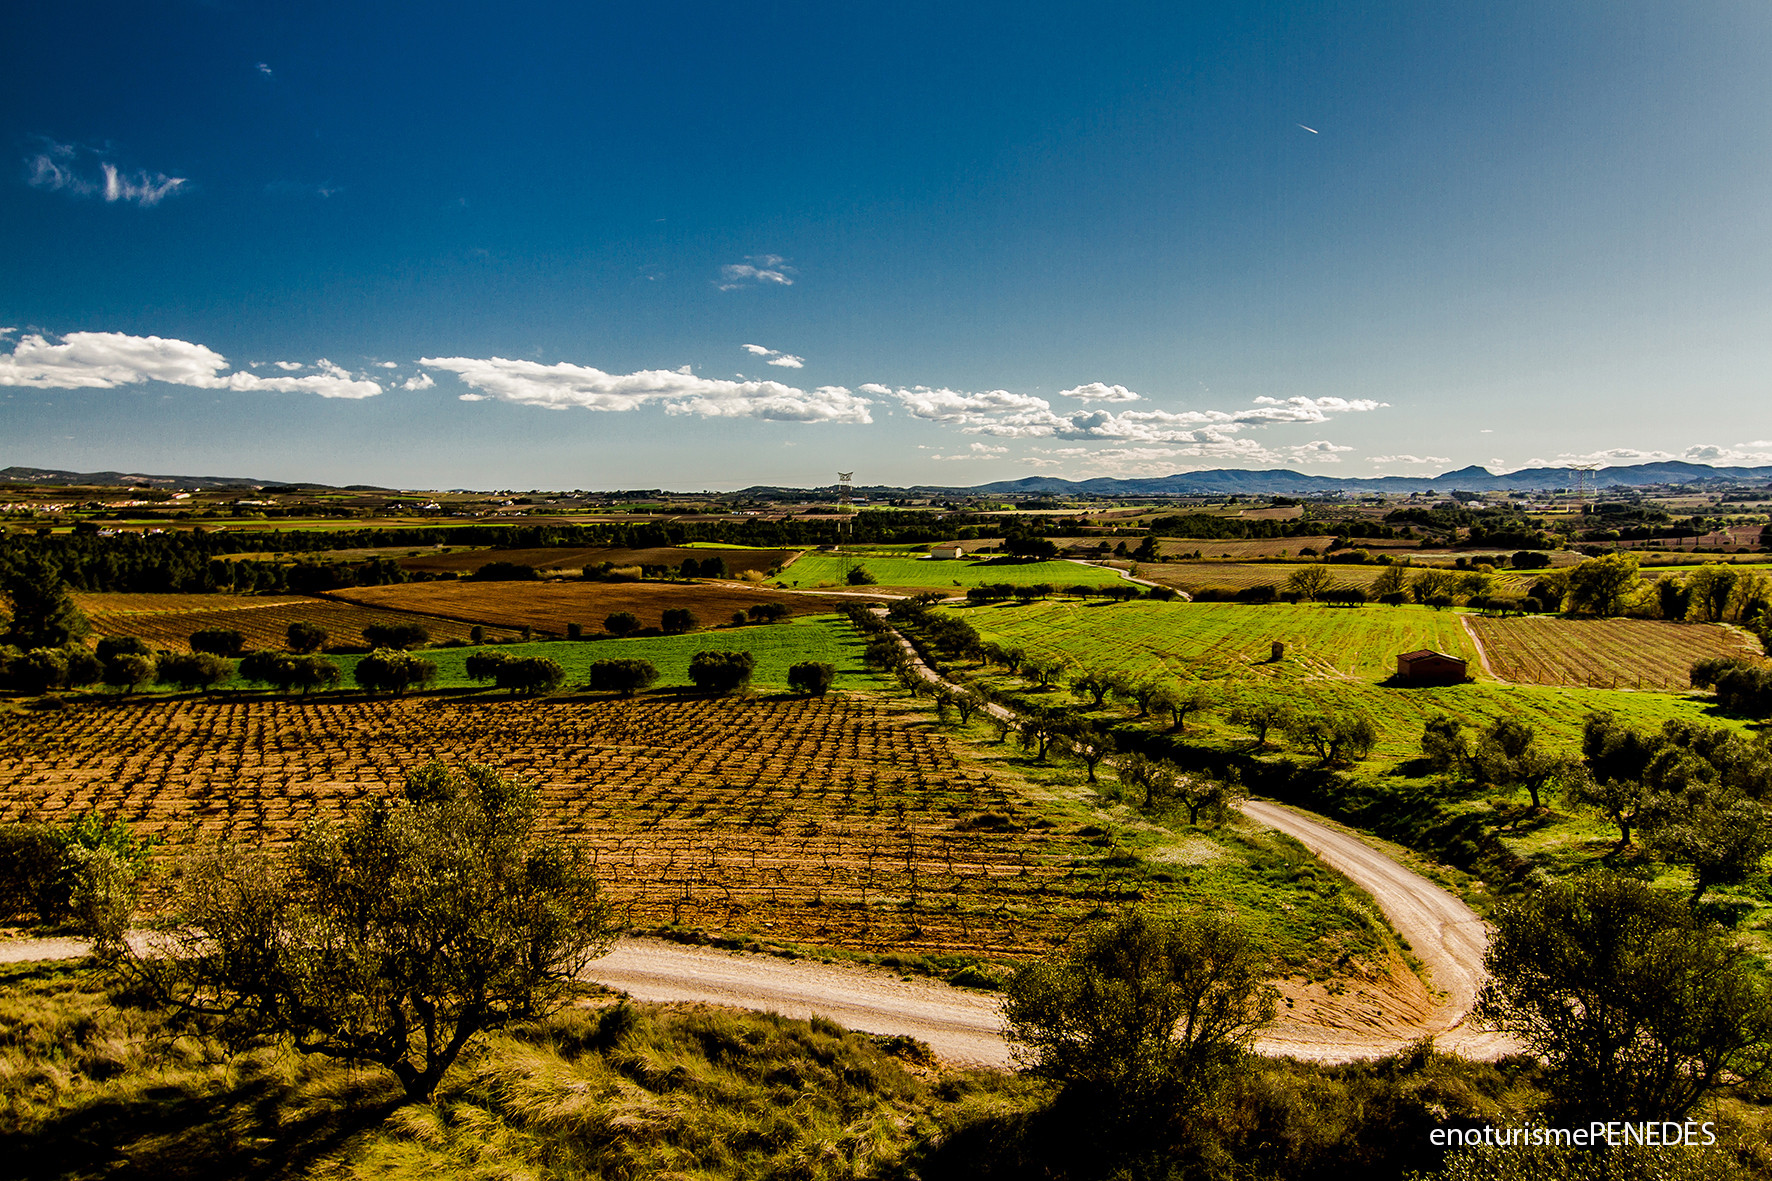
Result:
[
  {"x": 1414, "y": 460},
  {"x": 757, "y": 270},
  {"x": 421, "y": 381},
  {"x": 265, "y": 69},
  {"x": 86, "y": 172},
  {"x": 106, "y": 360},
  {"x": 976, "y": 451},
  {"x": 780, "y": 360},
  {"x": 1758, "y": 452},
  {"x": 563, "y": 386}
]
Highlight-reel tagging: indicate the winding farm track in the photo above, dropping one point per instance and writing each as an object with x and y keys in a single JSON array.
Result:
[{"x": 1482, "y": 653}]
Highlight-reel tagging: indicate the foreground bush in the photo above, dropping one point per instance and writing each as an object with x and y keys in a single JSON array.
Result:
[{"x": 394, "y": 939}]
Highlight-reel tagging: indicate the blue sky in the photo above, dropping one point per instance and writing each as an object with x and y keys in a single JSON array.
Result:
[{"x": 703, "y": 246}]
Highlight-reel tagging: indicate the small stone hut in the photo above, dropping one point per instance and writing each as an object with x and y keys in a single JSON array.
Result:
[{"x": 1427, "y": 667}]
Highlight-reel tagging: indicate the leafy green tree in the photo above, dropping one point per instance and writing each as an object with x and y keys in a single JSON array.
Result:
[
  {"x": 1710, "y": 588},
  {"x": 1144, "y": 1018},
  {"x": 1392, "y": 580},
  {"x": 484, "y": 666},
  {"x": 1260, "y": 717},
  {"x": 812, "y": 677},
  {"x": 194, "y": 670},
  {"x": 218, "y": 641},
  {"x": 128, "y": 671},
  {"x": 306, "y": 637},
  {"x": 1639, "y": 1008},
  {"x": 1430, "y": 583},
  {"x": 768, "y": 612},
  {"x": 677, "y": 620},
  {"x": 529, "y": 675},
  {"x": 43, "y": 614},
  {"x": 1042, "y": 729},
  {"x": 1509, "y": 755},
  {"x": 398, "y": 636},
  {"x": 38, "y": 671},
  {"x": 1337, "y": 737},
  {"x": 1673, "y": 598},
  {"x": 1602, "y": 586},
  {"x": 111, "y": 647},
  {"x": 387, "y": 670},
  {"x": 1617, "y": 760},
  {"x": 395, "y": 938},
  {"x": 285, "y": 671},
  {"x": 721, "y": 672},
  {"x": 860, "y": 576},
  {"x": 624, "y": 676},
  {"x": 86, "y": 873},
  {"x": 1445, "y": 745},
  {"x": 1309, "y": 582}
]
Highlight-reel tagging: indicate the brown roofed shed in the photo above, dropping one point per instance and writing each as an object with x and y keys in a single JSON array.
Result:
[{"x": 1427, "y": 667}]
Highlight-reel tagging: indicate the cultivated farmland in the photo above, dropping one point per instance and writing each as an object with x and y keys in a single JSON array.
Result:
[
  {"x": 550, "y": 606},
  {"x": 1336, "y": 658},
  {"x": 1211, "y": 575},
  {"x": 837, "y": 821},
  {"x": 167, "y": 621},
  {"x": 578, "y": 557},
  {"x": 816, "y": 569},
  {"x": 1605, "y": 653},
  {"x": 775, "y": 647}
]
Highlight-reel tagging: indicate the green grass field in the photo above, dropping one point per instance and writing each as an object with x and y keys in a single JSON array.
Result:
[
  {"x": 816, "y": 569},
  {"x": 776, "y": 647},
  {"x": 1335, "y": 658}
]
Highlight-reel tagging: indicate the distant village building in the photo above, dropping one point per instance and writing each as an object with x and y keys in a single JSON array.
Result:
[
  {"x": 954, "y": 550},
  {"x": 1427, "y": 667}
]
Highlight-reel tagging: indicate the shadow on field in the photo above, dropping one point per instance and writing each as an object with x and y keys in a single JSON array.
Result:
[{"x": 256, "y": 1129}]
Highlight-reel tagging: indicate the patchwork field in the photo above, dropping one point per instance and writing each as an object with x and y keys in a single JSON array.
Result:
[
  {"x": 1335, "y": 659},
  {"x": 1212, "y": 575},
  {"x": 167, "y": 621},
  {"x": 576, "y": 558},
  {"x": 1604, "y": 653},
  {"x": 816, "y": 569},
  {"x": 838, "y": 821},
  {"x": 776, "y": 647},
  {"x": 549, "y": 606}
]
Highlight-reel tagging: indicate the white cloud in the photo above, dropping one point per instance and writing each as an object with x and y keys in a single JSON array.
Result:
[
  {"x": 782, "y": 360},
  {"x": 139, "y": 188},
  {"x": 86, "y": 172},
  {"x": 265, "y": 70},
  {"x": 106, "y": 360},
  {"x": 1023, "y": 416},
  {"x": 292, "y": 366},
  {"x": 387, "y": 364},
  {"x": 422, "y": 381},
  {"x": 1097, "y": 391},
  {"x": 1410, "y": 459},
  {"x": 976, "y": 451},
  {"x": 757, "y": 270},
  {"x": 1754, "y": 453},
  {"x": 564, "y": 385},
  {"x": 1317, "y": 451}
]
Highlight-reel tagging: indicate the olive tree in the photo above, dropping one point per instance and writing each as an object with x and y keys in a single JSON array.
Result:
[
  {"x": 1637, "y": 1006},
  {"x": 624, "y": 676},
  {"x": 812, "y": 677},
  {"x": 387, "y": 670},
  {"x": 1144, "y": 1016},
  {"x": 393, "y": 939}
]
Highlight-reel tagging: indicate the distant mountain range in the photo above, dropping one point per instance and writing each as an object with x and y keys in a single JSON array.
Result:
[
  {"x": 1470, "y": 479},
  {"x": 50, "y": 477},
  {"x": 1217, "y": 482}
]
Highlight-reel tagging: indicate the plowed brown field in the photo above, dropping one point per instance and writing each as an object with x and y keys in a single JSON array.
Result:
[
  {"x": 838, "y": 821},
  {"x": 550, "y": 606},
  {"x": 167, "y": 621}
]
